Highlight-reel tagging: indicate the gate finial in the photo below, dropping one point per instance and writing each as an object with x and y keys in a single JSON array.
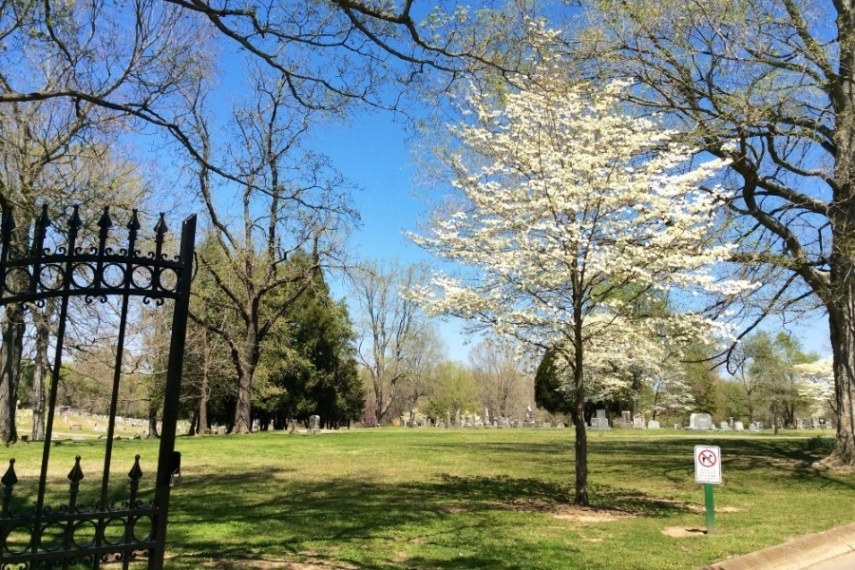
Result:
[
  {"x": 136, "y": 473},
  {"x": 76, "y": 473},
  {"x": 105, "y": 223},
  {"x": 9, "y": 479},
  {"x": 74, "y": 222}
]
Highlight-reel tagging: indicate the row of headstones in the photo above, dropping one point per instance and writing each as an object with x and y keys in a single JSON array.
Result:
[
  {"x": 500, "y": 422},
  {"x": 293, "y": 426},
  {"x": 700, "y": 422}
]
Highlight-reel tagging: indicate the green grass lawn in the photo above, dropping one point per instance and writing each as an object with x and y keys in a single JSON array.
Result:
[{"x": 473, "y": 499}]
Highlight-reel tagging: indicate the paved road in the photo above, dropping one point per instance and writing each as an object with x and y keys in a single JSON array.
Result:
[{"x": 844, "y": 562}]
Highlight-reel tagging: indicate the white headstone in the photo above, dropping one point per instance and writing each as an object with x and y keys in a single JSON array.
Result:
[{"x": 653, "y": 424}]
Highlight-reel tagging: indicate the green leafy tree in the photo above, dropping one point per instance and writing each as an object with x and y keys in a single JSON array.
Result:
[
  {"x": 312, "y": 364},
  {"x": 765, "y": 85},
  {"x": 455, "y": 390}
]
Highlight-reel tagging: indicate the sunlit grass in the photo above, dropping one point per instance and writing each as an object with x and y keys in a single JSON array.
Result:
[{"x": 499, "y": 499}]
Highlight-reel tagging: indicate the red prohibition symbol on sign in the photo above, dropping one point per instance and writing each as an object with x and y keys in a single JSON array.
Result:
[{"x": 707, "y": 458}]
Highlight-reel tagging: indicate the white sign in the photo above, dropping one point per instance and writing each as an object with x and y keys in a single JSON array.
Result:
[{"x": 708, "y": 464}]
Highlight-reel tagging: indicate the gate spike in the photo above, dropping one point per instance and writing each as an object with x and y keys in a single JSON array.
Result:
[
  {"x": 134, "y": 223},
  {"x": 160, "y": 228},
  {"x": 104, "y": 222},
  {"x": 74, "y": 222},
  {"x": 42, "y": 224},
  {"x": 76, "y": 473},
  {"x": 9, "y": 479},
  {"x": 9, "y": 224},
  {"x": 136, "y": 473},
  {"x": 44, "y": 221}
]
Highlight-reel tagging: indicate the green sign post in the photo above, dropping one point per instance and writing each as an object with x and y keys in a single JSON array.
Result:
[{"x": 708, "y": 472}]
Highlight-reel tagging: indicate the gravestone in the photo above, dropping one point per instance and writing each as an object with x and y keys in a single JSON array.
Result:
[
  {"x": 221, "y": 430},
  {"x": 314, "y": 424},
  {"x": 724, "y": 426},
  {"x": 626, "y": 419},
  {"x": 504, "y": 422},
  {"x": 653, "y": 424},
  {"x": 529, "y": 417},
  {"x": 700, "y": 421},
  {"x": 638, "y": 421},
  {"x": 559, "y": 425},
  {"x": 600, "y": 422},
  {"x": 292, "y": 426},
  {"x": 547, "y": 425},
  {"x": 457, "y": 422},
  {"x": 738, "y": 426},
  {"x": 486, "y": 417},
  {"x": 447, "y": 419}
]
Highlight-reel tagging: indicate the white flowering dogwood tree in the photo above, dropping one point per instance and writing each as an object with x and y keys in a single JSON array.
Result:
[
  {"x": 564, "y": 203},
  {"x": 816, "y": 385}
]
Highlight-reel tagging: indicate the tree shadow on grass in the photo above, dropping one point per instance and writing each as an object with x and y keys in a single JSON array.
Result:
[{"x": 333, "y": 520}]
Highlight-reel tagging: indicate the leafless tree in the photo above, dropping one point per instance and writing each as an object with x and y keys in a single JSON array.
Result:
[{"x": 768, "y": 86}]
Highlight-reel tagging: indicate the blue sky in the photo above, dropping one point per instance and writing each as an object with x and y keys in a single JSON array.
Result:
[{"x": 372, "y": 151}]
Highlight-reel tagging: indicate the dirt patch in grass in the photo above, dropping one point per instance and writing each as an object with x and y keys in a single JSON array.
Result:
[
  {"x": 683, "y": 532},
  {"x": 273, "y": 565},
  {"x": 703, "y": 509},
  {"x": 585, "y": 515},
  {"x": 568, "y": 512}
]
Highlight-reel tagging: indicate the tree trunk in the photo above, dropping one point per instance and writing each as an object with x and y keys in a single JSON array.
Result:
[
  {"x": 203, "y": 405},
  {"x": 203, "y": 389},
  {"x": 243, "y": 409},
  {"x": 841, "y": 301},
  {"x": 843, "y": 350},
  {"x": 41, "y": 373},
  {"x": 152, "y": 422},
  {"x": 581, "y": 447},
  {"x": 10, "y": 367},
  {"x": 246, "y": 371}
]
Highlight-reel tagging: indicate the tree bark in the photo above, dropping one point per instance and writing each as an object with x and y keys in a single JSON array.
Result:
[
  {"x": 843, "y": 357},
  {"x": 841, "y": 304},
  {"x": 10, "y": 367},
  {"x": 41, "y": 373},
  {"x": 581, "y": 446}
]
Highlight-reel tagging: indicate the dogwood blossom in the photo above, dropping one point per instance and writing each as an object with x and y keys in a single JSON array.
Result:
[{"x": 569, "y": 212}]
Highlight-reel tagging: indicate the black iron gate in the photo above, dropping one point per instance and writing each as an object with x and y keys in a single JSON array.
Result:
[{"x": 131, "y": 529}]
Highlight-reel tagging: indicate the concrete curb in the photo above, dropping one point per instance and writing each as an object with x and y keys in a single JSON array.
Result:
[{"x": 795, "y": 554}]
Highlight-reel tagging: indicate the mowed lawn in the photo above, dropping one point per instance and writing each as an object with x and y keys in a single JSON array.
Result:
[{"x": 475, "y": 498}]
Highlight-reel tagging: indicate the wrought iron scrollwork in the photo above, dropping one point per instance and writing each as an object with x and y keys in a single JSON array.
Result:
[
  {"x": 68, "y": 535},
  {"x": 94, "y": 271},
  {"x": 61, "y": 263}
]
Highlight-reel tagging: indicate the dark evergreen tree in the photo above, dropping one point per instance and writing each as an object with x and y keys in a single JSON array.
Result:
[{"x": 313, "y": 369}]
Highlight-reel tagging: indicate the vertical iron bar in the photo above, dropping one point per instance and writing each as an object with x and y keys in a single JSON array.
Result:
[
  {"x": 133, "y": 226},
  {"x": 9, "y": 480},
  {"x": 173, "y": 388},
  {"x": 134, "y": 475},
  {"x": 75, "y": 476},
  {"x": 74, "y": 224}
]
